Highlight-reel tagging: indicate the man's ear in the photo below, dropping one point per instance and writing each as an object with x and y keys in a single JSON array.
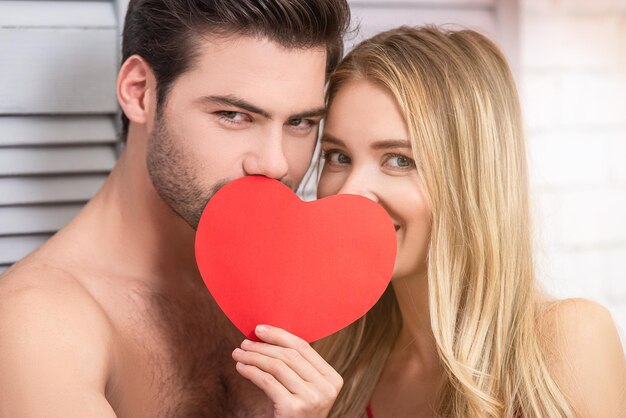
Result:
[{"x": 136, "y": 87}]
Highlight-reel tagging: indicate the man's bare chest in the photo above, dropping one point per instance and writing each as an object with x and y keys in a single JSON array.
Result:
[
  {"x": 178, "y": 360},
  {"x": 207, "y": 390}
]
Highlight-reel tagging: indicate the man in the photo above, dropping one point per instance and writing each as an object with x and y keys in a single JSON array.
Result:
[{"x": 110, "y": 317}]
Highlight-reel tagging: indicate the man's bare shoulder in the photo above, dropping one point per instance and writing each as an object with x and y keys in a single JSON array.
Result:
[
  {"x": 587, "y": 358},
  {"x": 52, "y": 333},
  {"x": 36, "y": 294}
]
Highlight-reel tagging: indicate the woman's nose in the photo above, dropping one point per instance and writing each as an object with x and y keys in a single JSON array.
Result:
[{"x": 359, "y": 184}]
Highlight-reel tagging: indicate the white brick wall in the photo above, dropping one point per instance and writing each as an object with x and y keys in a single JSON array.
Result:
[{"x": 573, "y": 86}]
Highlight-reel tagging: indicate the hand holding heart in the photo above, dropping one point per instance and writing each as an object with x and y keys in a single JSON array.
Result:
[
  {"x": 291, "y": 373},
  {"x": 310, "y": 269}
]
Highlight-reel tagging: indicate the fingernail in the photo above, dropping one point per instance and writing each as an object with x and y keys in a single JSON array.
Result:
[
  {"x": 246, "y": 343},
  {"x": 237, "y": 351},
  {"x": 261, "y": 329}
]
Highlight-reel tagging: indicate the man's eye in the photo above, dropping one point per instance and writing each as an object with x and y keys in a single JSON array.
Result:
[
  {"x": 302, "y": 123},
  {"x": 398, "y": 161},
  {"x": 232, "y": 116}
]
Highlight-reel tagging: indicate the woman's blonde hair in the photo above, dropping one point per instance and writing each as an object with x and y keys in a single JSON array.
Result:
[{"x": 461, "y": 107}]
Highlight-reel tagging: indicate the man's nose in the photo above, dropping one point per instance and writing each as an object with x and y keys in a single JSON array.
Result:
[
  {"x": 360, "y": 183},
  {"x": 267, "y": 160}
]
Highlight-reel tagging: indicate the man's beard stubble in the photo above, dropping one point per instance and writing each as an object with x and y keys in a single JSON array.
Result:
[{"x": 171, "y": 174}]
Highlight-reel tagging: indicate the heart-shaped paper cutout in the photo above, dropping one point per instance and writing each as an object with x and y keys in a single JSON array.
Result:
[{"x": 311, "y": 268}]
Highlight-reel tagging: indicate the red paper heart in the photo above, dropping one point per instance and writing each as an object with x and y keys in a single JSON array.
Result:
[{"x": 311, "y": 268}]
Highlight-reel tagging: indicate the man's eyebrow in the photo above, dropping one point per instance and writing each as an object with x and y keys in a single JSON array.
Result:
[
  {"x": 231, "y": 100},
  {"x": 235, "y": 101},
  {"x": 313, "y": 113}
]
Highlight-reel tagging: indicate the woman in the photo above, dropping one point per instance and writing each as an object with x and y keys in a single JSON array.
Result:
[{"x": 427, "y": 123}]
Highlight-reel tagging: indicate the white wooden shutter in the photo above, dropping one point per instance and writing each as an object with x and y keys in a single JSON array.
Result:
[
  {"x": 58, "y": 112},
  {"x": 498, "y": 19}
]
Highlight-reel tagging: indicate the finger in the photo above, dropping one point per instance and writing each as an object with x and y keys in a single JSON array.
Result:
[
  {"x": 280, "y": 337},
  {"x": 264, "y": 381},
  {"x": 290, "y": 356},
  {"x": 274, "y": 367}
]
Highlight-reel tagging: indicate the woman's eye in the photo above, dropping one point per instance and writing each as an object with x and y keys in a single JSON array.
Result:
[
  {"x": 398, "y": 161},
  {"x": 335, "y": 158}
]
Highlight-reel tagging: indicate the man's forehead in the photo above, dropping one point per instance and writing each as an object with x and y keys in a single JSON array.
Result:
[
  {"x": 224, "y": 40},
  {"x": 249, "y": 48},
  {"x": 257, "y": 73},
  {"x": 252, "y": 60}
]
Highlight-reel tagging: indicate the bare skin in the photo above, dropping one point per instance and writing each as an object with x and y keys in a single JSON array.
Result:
[
  {"x": 587, "y": 361},
  {"x": 110, "y": 317}
]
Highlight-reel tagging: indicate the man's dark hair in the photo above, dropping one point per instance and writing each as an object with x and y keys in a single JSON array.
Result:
[{"x": 166, "y": 32}]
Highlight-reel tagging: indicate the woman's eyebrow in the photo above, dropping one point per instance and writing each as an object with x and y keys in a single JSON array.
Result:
[
  {"x": 391, "y": 143},
  {"x": 382, "y": 144},
  {"x": 328, "y": 138}
]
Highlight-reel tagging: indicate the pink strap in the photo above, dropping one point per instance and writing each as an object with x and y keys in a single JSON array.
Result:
[{"x": 369, "y": 411}]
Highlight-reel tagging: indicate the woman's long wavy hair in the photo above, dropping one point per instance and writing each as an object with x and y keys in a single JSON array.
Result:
[{"x": 461, "y": 107}]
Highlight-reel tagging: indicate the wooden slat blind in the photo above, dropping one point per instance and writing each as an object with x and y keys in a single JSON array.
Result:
[{"x": 58, "y": 65}]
